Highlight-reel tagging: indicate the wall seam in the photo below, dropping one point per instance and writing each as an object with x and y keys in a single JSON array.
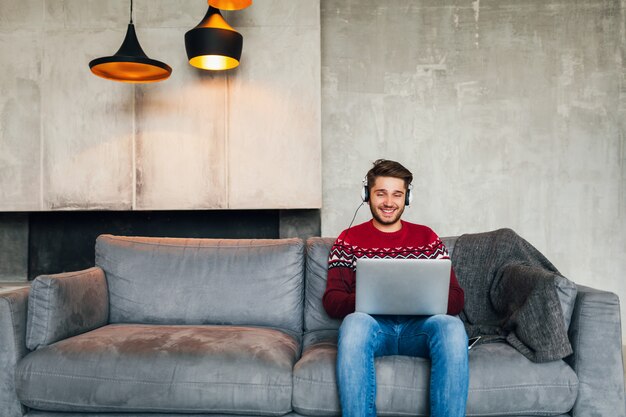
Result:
[
  {"x": 133, "y": 203},
  {"x": 41, "y": 124},
  {"x": 226, "y": 140}
]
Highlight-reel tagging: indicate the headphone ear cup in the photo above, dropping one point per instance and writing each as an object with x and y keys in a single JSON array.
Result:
[
  {"x": 365, "y": 193},
  {"x": 409, "y": 195}
]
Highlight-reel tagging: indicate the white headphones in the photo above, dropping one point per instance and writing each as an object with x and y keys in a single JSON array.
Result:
[{"x": 365, "y": 193}]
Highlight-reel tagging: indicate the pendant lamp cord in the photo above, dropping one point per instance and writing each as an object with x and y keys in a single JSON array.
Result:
[{"x": 131, "y": 11}]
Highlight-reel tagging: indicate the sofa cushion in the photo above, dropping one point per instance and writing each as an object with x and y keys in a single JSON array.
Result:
[
  {"x": 204, "y": 281},
  {"x": 33, "y": 413},
  {"x": 150, "y": 368},
  {"x": 64, "y": 305},
  {"x": 502, "y": 382}
]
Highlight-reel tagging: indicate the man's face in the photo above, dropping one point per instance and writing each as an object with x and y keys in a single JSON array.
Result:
[{"x": 387, "y": 203}]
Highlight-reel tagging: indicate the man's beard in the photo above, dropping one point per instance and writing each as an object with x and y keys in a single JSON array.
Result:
[{"x": 387, "y": 221}]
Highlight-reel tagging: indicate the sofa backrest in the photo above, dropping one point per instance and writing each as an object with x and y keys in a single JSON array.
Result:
[
  {"x": 315, "y": 317},
  {"x": 317, "y": 250},
  {"x": 204, "y": 281}
]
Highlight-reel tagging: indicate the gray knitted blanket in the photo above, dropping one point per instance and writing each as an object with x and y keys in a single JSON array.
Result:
[{"x": 511, "y": 294}]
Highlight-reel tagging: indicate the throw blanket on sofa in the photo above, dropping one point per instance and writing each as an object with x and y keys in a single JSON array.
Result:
[{"x": 511, "y": 292}]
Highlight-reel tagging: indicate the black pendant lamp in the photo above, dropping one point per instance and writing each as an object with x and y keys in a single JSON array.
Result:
[
  {"x": 213, "y": 44},
  {"x": 130, "y": 64}
]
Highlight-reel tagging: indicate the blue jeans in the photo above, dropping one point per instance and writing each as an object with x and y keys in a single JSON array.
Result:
[{"x": 440, "y": 338}]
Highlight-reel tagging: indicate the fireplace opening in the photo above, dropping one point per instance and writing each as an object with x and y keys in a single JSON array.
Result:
[{"x": 37, "y": 243}]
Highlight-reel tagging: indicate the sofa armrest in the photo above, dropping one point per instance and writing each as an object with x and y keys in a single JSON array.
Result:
[
  {"x": 13, "y": 313},
  {"x": 65, "y": 305},
  {"x": 595, "y": 334}
]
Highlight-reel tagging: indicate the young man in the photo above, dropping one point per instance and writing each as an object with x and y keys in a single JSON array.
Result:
[{"x": 362, "y": 337}]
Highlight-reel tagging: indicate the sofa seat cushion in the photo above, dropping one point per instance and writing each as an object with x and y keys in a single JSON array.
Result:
[
  {"x": 502, "y": 382},
  {"x": 152, "y": 368},
  {"x": 35, "y": 413}
]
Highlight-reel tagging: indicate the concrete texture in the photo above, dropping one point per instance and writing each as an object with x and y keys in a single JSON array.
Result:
[
  {"x": 72, "y": 141},
  {"x": 20, "y": 115},
  {"x": 274, "y": 108},
  {"x": 274, "y": 130},
  {"x": 181, "y": 134},
  {"x": 299, "y": 223},
  {"x": 13, "y": 247},
  {"x": 87, "y": 126},
  {"x": 509, "y": 113},
  {"x": 18, "y": 14}
]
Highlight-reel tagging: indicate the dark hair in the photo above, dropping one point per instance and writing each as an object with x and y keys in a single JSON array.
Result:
[{"x": 386, "y": 168}]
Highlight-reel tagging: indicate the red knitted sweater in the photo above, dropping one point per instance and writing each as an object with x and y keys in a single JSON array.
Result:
[{"x": 365, "y": 240}]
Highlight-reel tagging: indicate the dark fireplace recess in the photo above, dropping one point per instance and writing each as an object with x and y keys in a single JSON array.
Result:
[{"x": 64, "y": 241}]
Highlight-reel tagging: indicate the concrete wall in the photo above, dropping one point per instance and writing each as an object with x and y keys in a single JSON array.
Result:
[
  {"x": 509, "y": 113},
  {"x": 200, "y": 140}
]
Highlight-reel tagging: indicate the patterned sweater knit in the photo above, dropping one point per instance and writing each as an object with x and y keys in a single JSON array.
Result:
[{"x": 365, "y": 240}]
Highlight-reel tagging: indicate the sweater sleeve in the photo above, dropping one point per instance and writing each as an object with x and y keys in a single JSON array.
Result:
[{"x": 339, "y": 297}]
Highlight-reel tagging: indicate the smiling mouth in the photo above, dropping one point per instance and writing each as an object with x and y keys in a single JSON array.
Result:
[{"x": 388, "y": 211}]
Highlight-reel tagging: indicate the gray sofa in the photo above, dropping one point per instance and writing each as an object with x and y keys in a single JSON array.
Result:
[{"x": 219, "y": 327}]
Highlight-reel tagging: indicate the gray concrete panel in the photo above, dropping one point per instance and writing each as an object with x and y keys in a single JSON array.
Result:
[
  {"x": 87, "y": 124},
  {"x": 20, "y": 115},
  {"x": 509, "y": 114},
  {"x": 21, "y": 14},
  {"x": 181, "y": 150},
  {"x": 265, "y": 13},
  {"x": 104, "y": 145},
  {"x": 274, "y": 143},
  {"x": 86, "y": 14},
  {"x": 169, "y": 14}
]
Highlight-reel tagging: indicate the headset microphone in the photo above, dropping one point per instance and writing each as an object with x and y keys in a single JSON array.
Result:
[{"x": 344, "y": 243}]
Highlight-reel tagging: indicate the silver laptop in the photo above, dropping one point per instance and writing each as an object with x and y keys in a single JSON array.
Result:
[{"x": 402, "y": 286}]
